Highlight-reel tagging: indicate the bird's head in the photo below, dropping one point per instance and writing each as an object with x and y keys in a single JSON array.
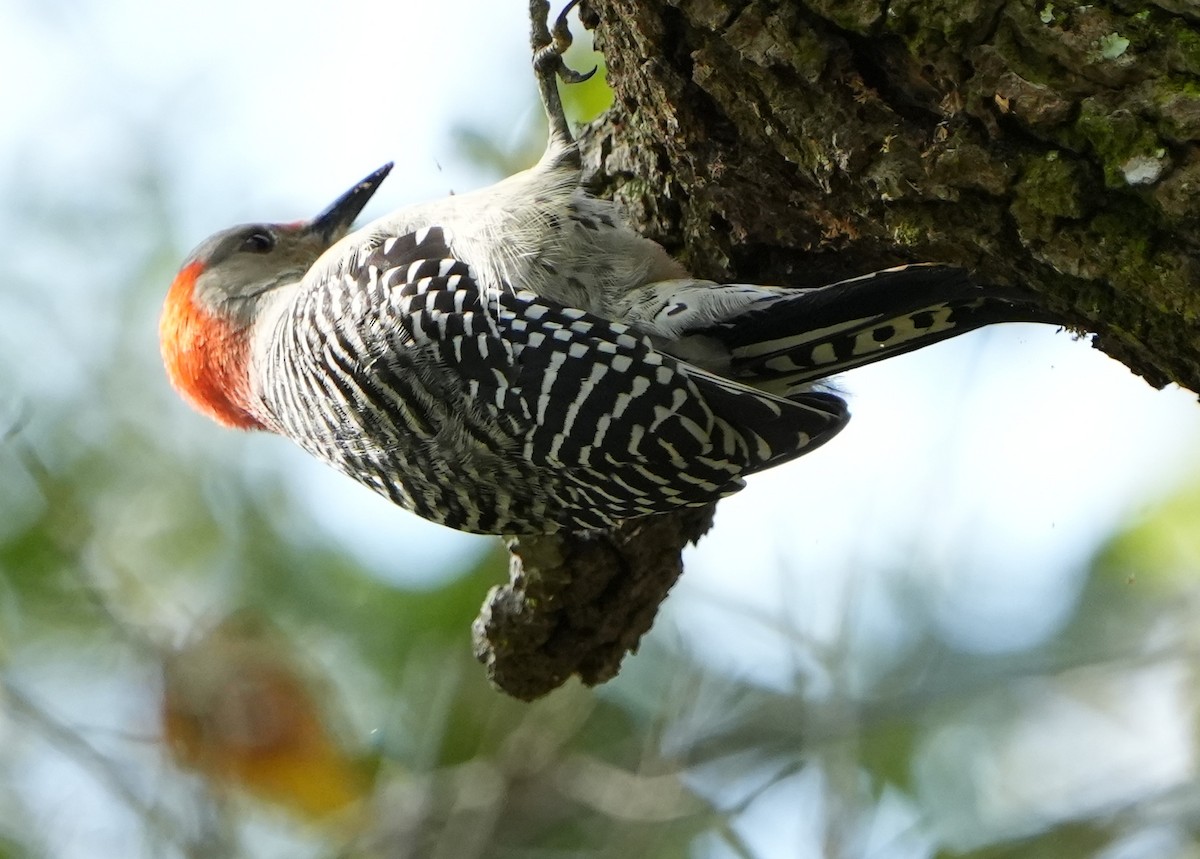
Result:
[{"x": 211, "y": 307}]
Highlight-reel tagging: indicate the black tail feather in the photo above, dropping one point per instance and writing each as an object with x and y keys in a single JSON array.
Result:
[{"x": 816, "y": 333}]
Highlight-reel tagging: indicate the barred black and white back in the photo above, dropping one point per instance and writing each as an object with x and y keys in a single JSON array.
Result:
[{"x": 490, "y": 409}]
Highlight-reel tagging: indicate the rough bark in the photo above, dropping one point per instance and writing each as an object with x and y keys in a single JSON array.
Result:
[
  {"x": 575, "y": 604},
  {"x": 1052, "y": 146}
]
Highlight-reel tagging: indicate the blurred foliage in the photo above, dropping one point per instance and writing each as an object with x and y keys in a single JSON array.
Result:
[{"x": 129, "y": 529}]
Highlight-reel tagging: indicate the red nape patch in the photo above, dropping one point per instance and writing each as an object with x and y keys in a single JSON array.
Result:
[{"x": 207, "y": 357}]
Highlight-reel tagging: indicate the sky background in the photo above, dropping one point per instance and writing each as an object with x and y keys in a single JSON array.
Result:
[{"x": 995, "y": 463}]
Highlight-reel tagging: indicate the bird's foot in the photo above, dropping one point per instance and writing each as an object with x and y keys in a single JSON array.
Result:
[{"x": 549, "y": 44}]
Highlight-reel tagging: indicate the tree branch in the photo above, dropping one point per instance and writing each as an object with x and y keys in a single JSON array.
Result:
[{"x": 799, "y": 143}]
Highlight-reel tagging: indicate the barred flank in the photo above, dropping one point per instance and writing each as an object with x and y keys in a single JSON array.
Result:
[{"x": 495, "y": 411}]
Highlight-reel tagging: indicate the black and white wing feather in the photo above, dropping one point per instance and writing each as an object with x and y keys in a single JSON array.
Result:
[{"x": 494, "y": 410}]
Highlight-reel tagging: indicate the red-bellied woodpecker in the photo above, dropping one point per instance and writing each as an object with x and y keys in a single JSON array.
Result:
[{"x": 517, "y": 360}]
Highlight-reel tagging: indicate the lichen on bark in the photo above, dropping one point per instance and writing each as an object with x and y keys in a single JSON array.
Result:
[{"x": 1052, "y": 146}]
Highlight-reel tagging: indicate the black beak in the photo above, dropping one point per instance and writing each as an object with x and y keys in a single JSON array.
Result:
[{"x": 335, "y": 221}]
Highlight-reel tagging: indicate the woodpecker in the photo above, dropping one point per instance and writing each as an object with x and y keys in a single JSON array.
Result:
[{"x": 518, "y": 360}]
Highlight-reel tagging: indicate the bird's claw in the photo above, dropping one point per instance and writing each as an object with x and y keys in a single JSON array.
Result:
[{"x": 549, "y": 44}]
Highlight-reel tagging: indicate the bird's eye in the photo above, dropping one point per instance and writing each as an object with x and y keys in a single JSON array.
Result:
[{"x": 258, "y": 242}]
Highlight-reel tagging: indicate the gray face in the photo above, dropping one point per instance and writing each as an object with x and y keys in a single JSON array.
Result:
[{"x": 243, "y": 262}]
